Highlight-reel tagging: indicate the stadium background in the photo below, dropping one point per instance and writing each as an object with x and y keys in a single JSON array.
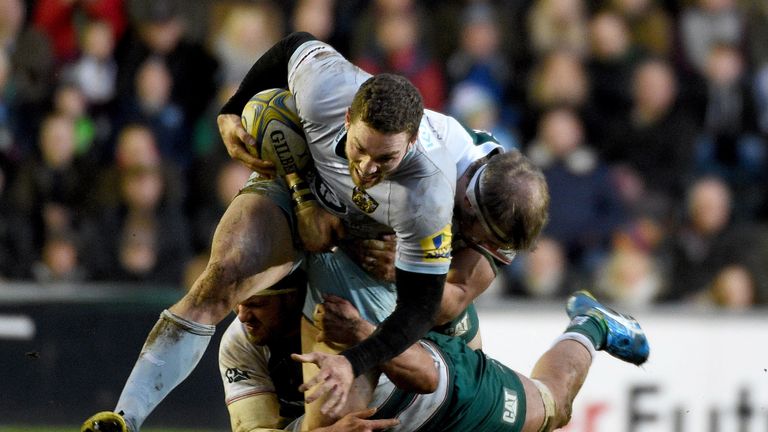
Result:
[{"x": 648, "y": 117}]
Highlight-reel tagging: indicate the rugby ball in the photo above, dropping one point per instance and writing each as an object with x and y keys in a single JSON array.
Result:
[{"x": 270, "y": 117}]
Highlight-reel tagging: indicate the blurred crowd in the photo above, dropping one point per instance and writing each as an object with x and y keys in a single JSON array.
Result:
[{"x": 649, "y": 119}]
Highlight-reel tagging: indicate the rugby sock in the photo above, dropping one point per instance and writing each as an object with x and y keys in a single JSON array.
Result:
[
  {"x": 586, "y": 330},
  {"x": 172, "y": 350}
]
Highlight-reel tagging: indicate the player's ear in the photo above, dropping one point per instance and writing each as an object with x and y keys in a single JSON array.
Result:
[
  {"x": 410, "y": 145},
  {"x": 347, "y": 119}
]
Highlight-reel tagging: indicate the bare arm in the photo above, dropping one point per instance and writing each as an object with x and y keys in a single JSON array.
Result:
[
  {"x": 469, "y": 276},
  {"x": 257, "y": 413},
  {"x": 260, "y": 413},
  {"x": 413, "y": 370}
]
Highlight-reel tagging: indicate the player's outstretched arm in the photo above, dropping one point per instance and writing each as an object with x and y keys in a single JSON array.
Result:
[
  {"x": 413, "y": 370},
  {"x": 269, "y": 71},
  {"x": 418, "y": 301}
]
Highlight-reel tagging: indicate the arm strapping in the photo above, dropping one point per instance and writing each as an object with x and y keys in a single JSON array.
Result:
[
  {"x": 418, "y": 300},
  {"x": 269, "y": 71}
]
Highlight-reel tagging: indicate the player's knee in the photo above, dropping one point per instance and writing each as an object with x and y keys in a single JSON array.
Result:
[
  {"x": 563, "y": 409},
  {"x": 563, "y": 412}
]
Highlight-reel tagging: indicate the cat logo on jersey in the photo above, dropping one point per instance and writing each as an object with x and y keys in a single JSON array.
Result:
[
  {"x": 460, "y": 328},
  {"x": 437, "y": 247},
  {"x": 510, "y": 406},
  {"x": 364, "y": 201}
]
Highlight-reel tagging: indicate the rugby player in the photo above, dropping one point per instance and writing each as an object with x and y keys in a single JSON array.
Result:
[
  {"x": 383, "y": 164},
  {"x": 356, "y": 137},
  {"x": 472, "y": 391},
  {"x": 260, "y": 379}
]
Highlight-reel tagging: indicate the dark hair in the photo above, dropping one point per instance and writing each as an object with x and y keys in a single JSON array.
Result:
[
  {"x": 389, "y": 104},
  {"x": 515, "y": 197}
]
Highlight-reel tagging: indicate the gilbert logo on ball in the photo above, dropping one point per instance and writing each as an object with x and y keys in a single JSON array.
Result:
[{"x": 270, "y": 117}]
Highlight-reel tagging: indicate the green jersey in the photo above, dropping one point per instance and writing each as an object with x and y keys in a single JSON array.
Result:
[{"x": 481, "y": 394}]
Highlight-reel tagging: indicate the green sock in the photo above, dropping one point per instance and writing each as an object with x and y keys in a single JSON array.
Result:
[{"x": 590, "y": 327}]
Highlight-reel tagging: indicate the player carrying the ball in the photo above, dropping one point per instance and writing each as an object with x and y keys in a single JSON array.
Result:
[{"x": 382, "y": 164}]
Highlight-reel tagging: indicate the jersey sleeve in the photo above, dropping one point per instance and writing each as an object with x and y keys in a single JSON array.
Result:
[
  {"x": 424, "y": 226},
  {"x": 429, "y": 254},
  {"x": 481, "y": 144},
  {"x": 242, "y": 365},
  {"x": 323, "y": 83}
]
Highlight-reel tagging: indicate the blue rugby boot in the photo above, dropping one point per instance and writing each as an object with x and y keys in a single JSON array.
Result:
[{"x": 624, "y": 338}]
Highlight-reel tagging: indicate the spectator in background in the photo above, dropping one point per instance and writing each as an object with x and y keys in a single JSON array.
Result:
[
  {"x": 70, "y": 101},
  {"x": 151, "y": 104},
  {"x": 59, "y": 260},
  {"x": 651, "y": 27},
  {"x": 706, "y": 23},
  {"x": 60, "y": 20},
  {"x": 136, "y": 148},
  {"x": 709, "y": 255},
  {"x": 158, "y": 30},
  {"x": 542, "y": 274},
  {"x": 397, "y": 47},
  {"x": 479, "y": 60},
  {"x": 141, "y": 234},
  {"x": 733, "y": 288},
  {"x": 95, "y": 70},
  {"x": 730, "y": 145},
  {"x": 631, "y": 274},
  {"x": 655, "y": 139},
  {"x": 559, "y": 79},
  {"x": 558, "y": 25},
  {"x": 33, "y": 74},
  {"x": 612, "y": 60},
  {"x": 475, "y": 107},
  {"x": 316, "y": 17},
  {"x": 246, "y": 31},
  {"x": 584, "y": 208},
  {"x": 12, "y": 16},
  {"x": 50, "y": 187}
]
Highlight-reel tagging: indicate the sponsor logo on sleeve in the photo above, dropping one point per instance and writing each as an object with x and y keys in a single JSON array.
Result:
[{"x": 437, "y": 247}]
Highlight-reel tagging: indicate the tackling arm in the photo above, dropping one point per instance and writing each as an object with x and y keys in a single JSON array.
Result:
[
  {"x": 470, "y": 275},
  {"x": 418, "y": 300},
  {"x": 413, "y": 370}
]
